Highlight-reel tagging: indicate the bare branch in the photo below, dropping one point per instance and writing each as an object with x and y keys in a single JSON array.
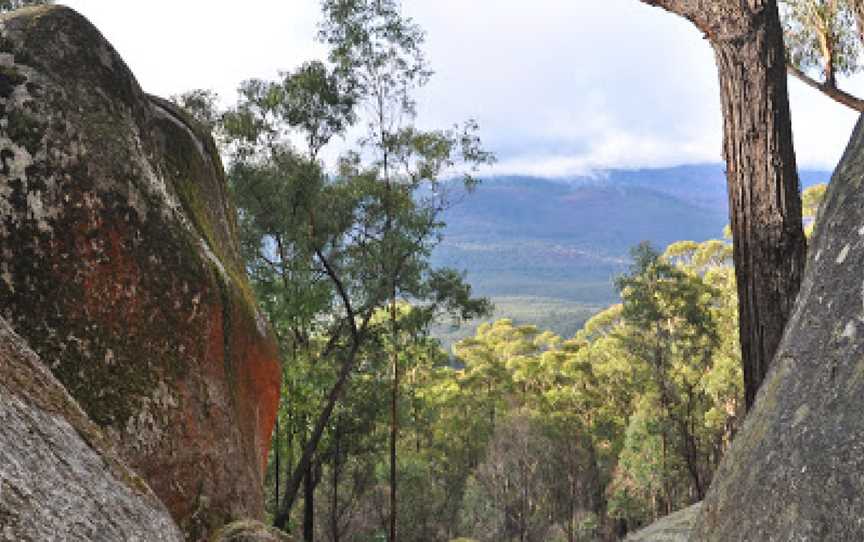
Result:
[{"x": 840, "y": 96}]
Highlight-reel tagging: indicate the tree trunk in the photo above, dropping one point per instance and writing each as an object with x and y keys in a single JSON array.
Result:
[
  {"x": 334, "y": 505},
  {"x": 293, "y": 483},
  {"x": 309, "y": 504},
  {"x": 762, "y": 176},
  {"x": 764, "y": 197},
  {"x": 394, "y": 418},
  {"x": 276, "y": 461}
]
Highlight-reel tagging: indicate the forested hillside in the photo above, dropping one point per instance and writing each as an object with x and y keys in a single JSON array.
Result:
[
  {"x": 524, "y": 236},
  {"x": 546, "y": 251}
]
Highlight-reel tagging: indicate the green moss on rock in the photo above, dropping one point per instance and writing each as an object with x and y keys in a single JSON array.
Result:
[
  {"x": 25, "y": 129},
  {"x": 10, "y": 78},
  {"x": 125, "y": 273}
]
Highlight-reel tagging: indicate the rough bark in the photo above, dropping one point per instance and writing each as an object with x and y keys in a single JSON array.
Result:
[{"x": 764, "y": 197}]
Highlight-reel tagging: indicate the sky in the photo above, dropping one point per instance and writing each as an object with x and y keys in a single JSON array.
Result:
[{"x": 559, "y": 87}]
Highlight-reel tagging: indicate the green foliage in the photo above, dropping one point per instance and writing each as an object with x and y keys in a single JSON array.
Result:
[
  {"x": 811, "y": 199},
  {"x": 379, "y": 52},
  {"x": 202, "y": 105},
  {"x": 641, "y": 473},
  {"x": 530, "y": 436},
  {"x": 328, "y": 251},
  {"x": 524, "y": 434},
  {"x": 632, "y": 413},
  {"x": 822, "y": 35}
]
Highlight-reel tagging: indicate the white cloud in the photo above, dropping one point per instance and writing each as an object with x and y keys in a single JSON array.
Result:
[
  {"x": 558, "y": 86},
  {"x": 821, "y": 127}
]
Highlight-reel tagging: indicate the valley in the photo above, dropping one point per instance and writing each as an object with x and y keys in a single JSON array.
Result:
[{"x": 546, "y": 251}]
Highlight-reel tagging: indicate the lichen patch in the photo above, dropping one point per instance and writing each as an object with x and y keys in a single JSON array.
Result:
[
  {"x": 850, "y": 330},
  {"x": 843, "y": 254},
  {"x": 800, "y": 415}
]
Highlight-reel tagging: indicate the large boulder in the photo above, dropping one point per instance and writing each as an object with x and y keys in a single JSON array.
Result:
[
  {"x": 796, "y": 469},
  {"x": 119, "y": 265},
  {"x": 59, "y": 478}
]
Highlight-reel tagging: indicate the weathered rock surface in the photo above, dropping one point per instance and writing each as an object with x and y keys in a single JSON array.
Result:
[
  {"x": 673, "y": 528},
  {"x": 119, "y": 266},
  {"x": 796, "y": 469},
  {"x": 59, "y": 478}
]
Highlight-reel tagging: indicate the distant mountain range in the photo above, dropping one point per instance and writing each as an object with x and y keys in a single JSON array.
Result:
[{"x": 565, "y": 239}]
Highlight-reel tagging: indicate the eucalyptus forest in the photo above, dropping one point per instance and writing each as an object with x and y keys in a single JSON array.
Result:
[
  {"x": 512, "y": 434},
  {"x": 387, "y": 431}
]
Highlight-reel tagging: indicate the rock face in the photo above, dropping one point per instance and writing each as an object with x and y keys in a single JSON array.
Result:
[
  {"x": 59, "y": 479},
  {"x": 796, "y": 469},
  {"x": 120, "y": 267}
]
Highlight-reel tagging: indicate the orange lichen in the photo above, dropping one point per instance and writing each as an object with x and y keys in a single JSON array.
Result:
[{"x": 259, "y": 380}]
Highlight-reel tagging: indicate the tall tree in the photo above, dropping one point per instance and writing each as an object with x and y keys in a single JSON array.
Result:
[
  {"x": 673, "y": 333},
  {"x": 380, "y": 51},
  {"x": 328, "y": 252},
  {"x": 762, "y": 175}
]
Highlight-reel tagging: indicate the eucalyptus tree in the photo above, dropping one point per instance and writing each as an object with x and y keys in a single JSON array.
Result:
[
  {"x": 294, "y": 226},
  {"x": 825, "y": 37},
  {"x": 379, "y": 51},
  {"x": 764, "y": 200},
  {"x": 672, "y": 332},
  {"x": 327, "y": 252},
  {"x": 203, "y": 106}
]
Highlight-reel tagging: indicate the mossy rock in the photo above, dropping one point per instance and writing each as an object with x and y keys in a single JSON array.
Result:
[{"x": 119, "y": 264}]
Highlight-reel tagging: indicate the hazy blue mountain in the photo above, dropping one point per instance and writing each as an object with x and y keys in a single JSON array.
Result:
[
  {"x": 703, "y": 185},
  {"x": 564, "y": 240}
]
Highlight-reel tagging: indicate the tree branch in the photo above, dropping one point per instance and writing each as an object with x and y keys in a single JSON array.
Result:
[
  {"x": 692, "y": 10},
  {"x": 840, "y": 96}
]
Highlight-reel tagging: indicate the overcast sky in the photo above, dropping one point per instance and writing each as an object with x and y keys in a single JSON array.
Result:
[{"x": 559, "y": 87}]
